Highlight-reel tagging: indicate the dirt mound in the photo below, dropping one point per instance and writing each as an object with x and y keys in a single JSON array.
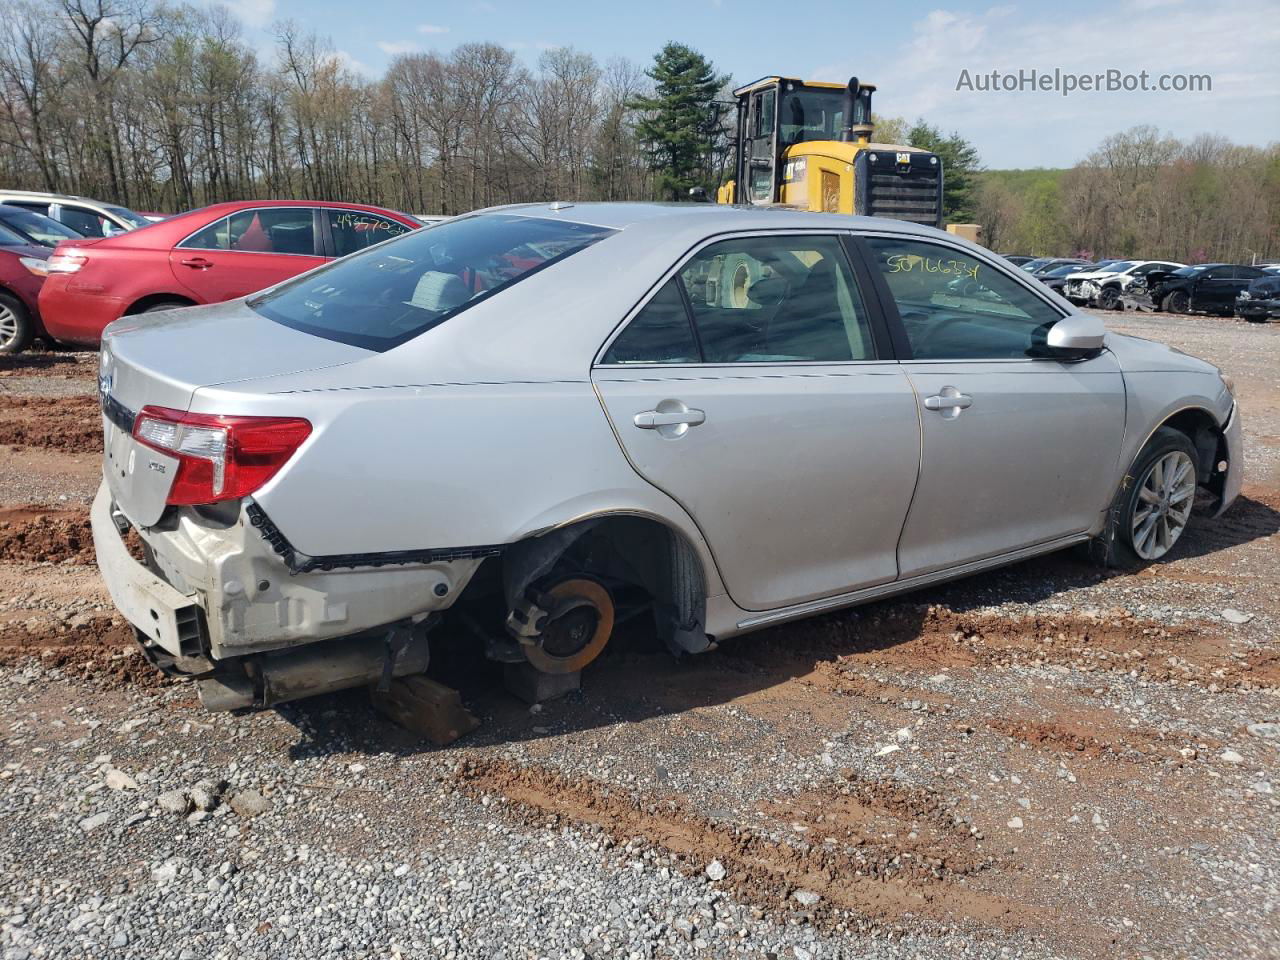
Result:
[
  {"x": 42, "y": 535},
  {"x": 73, "y": 424},
  {"x": 875, "y": 853},
  {"x": 100, "y": 648}
]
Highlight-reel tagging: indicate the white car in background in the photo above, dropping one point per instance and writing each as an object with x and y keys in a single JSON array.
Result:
[{"x": 1103, "y": 287}]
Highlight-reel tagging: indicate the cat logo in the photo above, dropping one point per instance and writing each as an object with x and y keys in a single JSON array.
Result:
[{"x": 904, "y": 157}]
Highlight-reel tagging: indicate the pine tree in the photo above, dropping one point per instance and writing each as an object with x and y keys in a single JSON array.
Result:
[
  {"x": 959, "y": 164},
  {"x": 680, "y": 121}
]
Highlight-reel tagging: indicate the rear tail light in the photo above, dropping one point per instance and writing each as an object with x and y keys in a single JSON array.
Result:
[
  {"x": 219, "y": 457},
  {"x": 67, "y": 262}
]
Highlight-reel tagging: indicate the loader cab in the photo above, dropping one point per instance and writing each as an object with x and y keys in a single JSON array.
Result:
[{"x": 777, "y": 113}]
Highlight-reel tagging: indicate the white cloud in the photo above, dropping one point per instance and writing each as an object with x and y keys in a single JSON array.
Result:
[
  {"x": 431, "y": 28},
  {"x": 254, "y": 13},
  {"x": 1235, "y": 45},
  {"x": 391, "y": 49},
  {"x": 352, "y": 64}
]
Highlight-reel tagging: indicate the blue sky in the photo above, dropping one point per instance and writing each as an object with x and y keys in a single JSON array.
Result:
[{"x": 913, "y": 51}]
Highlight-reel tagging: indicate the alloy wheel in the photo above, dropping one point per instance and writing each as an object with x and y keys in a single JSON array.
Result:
[
  {"x": 1166, "y": 494},
  {"x": 8, "y": 326}
]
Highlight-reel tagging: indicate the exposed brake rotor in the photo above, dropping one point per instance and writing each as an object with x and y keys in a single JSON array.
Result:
[{"x": 577, "y": 627}]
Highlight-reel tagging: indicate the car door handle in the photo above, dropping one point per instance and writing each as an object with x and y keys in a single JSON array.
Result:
[
  {"x": 197, "y": 263},
  {"x": 949, "y": 402},
  {"x": 653, "y": 419}
]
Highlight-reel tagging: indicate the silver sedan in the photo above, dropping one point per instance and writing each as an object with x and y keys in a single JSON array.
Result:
[{"x": 541, "y": 418}]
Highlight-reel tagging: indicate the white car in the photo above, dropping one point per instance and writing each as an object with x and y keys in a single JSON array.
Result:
[{"x": 1103, "y": 287}]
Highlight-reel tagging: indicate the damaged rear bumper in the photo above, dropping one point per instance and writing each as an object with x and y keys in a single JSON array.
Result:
[{"x": 216, "y": 598}]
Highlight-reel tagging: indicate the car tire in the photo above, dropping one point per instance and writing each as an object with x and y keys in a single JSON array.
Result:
[
  {"x": 1109, "y": 299},
  {"x": 16, "y": 326},
  {"x": 1154, "y": 504},
  {"x": 165, "y": 305},
  {"x": 1176, "y": 302}
]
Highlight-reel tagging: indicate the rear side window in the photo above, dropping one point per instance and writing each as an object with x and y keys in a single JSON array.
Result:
[
  {"x": 395, "y": 291},
  {"x": 284, "y": 230},
  {"x": 354, "y": 230},
  {"x": 957, "y": 307},
  {"x": 773, "y": 299},
  {"x": 659, "y": 333},
  {"x": 86, "y": 222}
]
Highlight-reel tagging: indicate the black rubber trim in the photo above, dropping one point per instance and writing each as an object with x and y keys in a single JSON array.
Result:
[
  {"x": 118, "y": 413},
  {"x": 302, "y": 563}
]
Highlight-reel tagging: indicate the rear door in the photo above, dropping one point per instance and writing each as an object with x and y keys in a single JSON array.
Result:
[
  {"x": 754, "y": 388},
  {"x": 247, "y": 251},
  {"x": 1017, "y": 449}
]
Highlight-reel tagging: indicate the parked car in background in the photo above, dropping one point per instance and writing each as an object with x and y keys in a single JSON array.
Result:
[
  {"x": 34, "y": 228},
  {"x": 1056, "y": 278},
  {"x": 22, "y": 272},
  {"x": 1017, "y": 259},
  {"x": 89, "y": 218},
  {"x": 220, "y": 252},
  {"x": 1057, "y": 262},
  {"x": 1034, "y": 263},
  {"x": 1260, "y": 302},
  {"x": 317, "y": 470},
  {"x": 1203, "y": 288},
  {"x": 1103, "y": 286}
]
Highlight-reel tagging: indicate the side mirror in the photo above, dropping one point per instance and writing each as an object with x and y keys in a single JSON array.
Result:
[{"x": 1076, "y": 336}]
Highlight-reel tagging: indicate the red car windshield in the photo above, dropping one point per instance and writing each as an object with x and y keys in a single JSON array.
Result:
[{"x": 404, "y": 287}]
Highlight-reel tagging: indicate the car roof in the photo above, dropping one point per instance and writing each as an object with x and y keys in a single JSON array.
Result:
[
  {"x": 42, "y": 195},
  {"x": 713, "y": 217}
]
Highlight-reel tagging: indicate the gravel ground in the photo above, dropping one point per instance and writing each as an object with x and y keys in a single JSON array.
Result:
[{"x": 1045, "y": 761}]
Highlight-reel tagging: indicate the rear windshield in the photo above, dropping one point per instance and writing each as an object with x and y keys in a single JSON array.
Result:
[{"x": 402, "y": 287}]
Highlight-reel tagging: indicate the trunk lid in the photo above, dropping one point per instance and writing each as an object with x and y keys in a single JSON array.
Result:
[{"x": 161, "y": 359}]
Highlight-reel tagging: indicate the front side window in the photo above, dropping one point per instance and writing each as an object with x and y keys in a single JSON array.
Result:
[
  {"x": 390, "y": 293},
  {"x": 956, "y": 307},
  {"x": 780, "y": 299},
  {"x": 354, "y": 230}
]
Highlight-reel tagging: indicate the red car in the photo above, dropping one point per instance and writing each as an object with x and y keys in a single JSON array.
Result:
[
  {"x": 217, "y": 253},
  {"x": 22, "y": 271}
]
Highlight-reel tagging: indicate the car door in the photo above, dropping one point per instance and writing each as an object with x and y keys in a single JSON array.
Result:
[
  {"x": 1018, "y": 449},
  {"x": 1214, "y": 289},
  {"x": 247, "y": 251},
  {"x": 752, "y": 388}
]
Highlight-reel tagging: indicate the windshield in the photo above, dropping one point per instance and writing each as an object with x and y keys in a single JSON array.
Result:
[
  {"x": 35, "y": 228},
  {"x": 128, "y": 216},
  {"x": 1033, "y": 265},
  {"x": 815, "y": 114},
  {"x": 403, "y": 287}
]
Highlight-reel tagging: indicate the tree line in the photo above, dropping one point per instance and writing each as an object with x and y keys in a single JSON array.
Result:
[
  {"x": 167, "y": 107},
  {"x": 1141, "y": 194}
]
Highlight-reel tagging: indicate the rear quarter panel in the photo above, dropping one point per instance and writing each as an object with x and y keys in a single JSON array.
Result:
[{"x": 449, "y": 465}]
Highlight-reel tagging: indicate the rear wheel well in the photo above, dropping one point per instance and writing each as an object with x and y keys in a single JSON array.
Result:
[
  {"x": 622, "y": 551},
  {"x": 156, "y": 299}
]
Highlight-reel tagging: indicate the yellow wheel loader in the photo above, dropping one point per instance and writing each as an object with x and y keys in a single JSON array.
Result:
[{"x": 809, "y": 146}]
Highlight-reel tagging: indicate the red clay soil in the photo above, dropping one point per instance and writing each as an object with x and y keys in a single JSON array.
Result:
[
  {"x": 73, "y": 424},
  {"x": 43, "y": 535},
  {"x": 100, "y": 648}
]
